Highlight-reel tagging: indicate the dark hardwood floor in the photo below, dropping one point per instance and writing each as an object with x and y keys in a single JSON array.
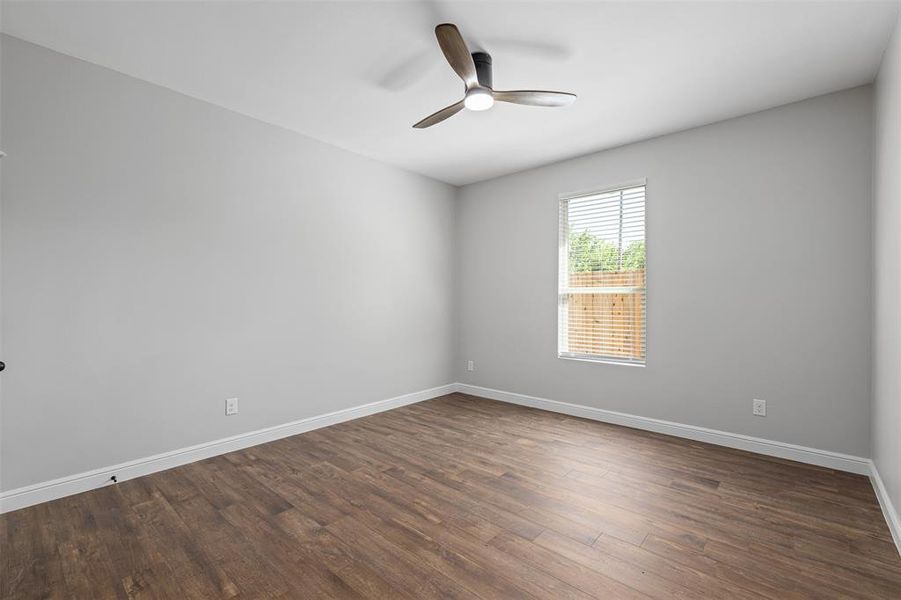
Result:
[{"x": 462, "y": 497}]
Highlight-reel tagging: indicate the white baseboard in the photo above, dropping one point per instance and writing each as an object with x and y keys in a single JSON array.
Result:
[
  {"x": 885, "y": 502},
  {"x": 82, "y": 482},
  {"x": 803, "y": 454},
  {"x": 813, "y": 456}
]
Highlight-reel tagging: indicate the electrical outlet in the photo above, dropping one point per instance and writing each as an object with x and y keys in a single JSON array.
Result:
[
  {"x": 231, "y": 406},
  {"x": 759, "y": 408},
  {"x": 470, "y": 366}
]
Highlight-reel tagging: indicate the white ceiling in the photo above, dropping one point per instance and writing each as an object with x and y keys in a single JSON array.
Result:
[{"x": 359, "y": 74}]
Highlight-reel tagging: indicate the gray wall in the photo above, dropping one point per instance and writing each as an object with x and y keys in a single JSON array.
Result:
[
  {"x": 759, "y": 277},
  {"x": 887, "y": 272},
  {"x": 181, "y": 254},
  {"x": 160, "y": 255}
]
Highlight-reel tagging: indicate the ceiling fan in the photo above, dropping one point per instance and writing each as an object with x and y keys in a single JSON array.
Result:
[{"x": 475, "y": 71}]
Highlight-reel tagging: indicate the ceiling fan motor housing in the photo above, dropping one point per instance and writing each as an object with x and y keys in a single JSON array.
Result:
[{"x": 483, "y": 68}]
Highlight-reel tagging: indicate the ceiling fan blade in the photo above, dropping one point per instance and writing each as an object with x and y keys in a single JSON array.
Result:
[
  {"x": 536, "y": 97},
  {"x": 439, "y": 116},
  {"x": 457, "y": 54}
]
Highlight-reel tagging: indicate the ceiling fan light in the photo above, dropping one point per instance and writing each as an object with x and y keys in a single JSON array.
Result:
[{"x": 478, "y": 99}]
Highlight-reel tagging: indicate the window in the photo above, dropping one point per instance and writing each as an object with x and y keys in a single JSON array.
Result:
[{"x": 602, "y": 296}]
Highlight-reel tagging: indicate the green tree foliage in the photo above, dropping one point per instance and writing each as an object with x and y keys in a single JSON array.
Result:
[
  {"x": 589, "y": 252},
  {"x": 633, "y": 257}
]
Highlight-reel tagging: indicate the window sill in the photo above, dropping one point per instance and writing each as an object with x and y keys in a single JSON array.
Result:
[{"x": 603, "y": 361}]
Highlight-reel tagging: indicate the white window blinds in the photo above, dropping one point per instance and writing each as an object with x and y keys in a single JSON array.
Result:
[{"x": 603, "y": 289}]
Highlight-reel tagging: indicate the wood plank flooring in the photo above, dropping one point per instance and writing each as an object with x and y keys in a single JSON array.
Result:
[{"x": 462, "y": 497}]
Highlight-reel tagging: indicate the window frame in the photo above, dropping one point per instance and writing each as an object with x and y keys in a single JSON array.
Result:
[{"x": 563, "y": 271}]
